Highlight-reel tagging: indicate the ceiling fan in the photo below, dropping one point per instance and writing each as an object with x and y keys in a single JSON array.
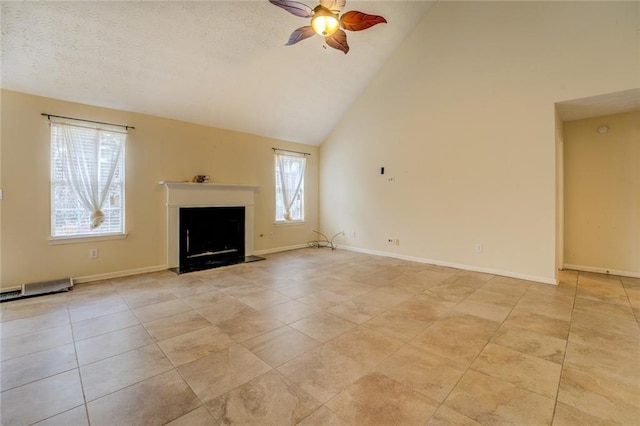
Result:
[{"x": 326, "y": 21}]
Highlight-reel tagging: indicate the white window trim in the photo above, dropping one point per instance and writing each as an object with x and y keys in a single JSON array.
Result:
[{"x": 54, "y": 241}]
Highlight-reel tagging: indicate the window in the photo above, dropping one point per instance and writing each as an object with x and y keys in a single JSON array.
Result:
[
  {"x": 289, "y": 187},
  {"x": 87, "y": 180}
]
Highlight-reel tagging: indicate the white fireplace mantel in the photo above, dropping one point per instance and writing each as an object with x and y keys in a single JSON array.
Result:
[{"x": 187, "y": 194}]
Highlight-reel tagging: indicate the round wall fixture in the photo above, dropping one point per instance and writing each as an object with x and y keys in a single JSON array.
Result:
[{"x": 603, "y": 129}]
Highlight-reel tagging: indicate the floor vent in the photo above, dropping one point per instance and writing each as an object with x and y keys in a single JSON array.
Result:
[
  {"x": 44, "y": 287},
  {"x": 10, "y": 295}
]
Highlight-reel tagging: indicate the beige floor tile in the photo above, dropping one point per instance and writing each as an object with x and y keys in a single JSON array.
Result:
[
  {"x": 603, "y": 293},
  {"x": 323, "y": 417},
  {"x": 506, "y": 286},
  {"x": 103, "y": 324},
  {"x": 531, "y": 343},
  {"x": 537, "y": 323},
  {"x": 376, "y": 399},
  {"x": 588, "y": 306},
  {"x": 356, "y": 311},
  {"x": 323, "y": 372},
  {"x": 24, "y": 344},
  {"x": 33, "y": 324},
  {"x": 263, "y": 299},
  {"x": 160, "y": 310},
  {"x": 224, "y": 311},
  {"x": 298, "y": 289},
  {"x": 599, "y": 396},
  {"x": 615, "y": 364},
  {"x": 459, "y": 338},
  {"x": 205, "y": 299},
  {"x": 323, "y": 299},
  {"x": 568, "y": 277},
  {"x": 74, "y": 417},
  {"x": 606, "y": 324},
  {"x": 445, "y": 416},
  {"x": 365, "y": 346},
  {"x": 507, "y": 300},
  {"x": 110, "y": 344},
  {"x": 250, "y": 325},
  {"x": 291, "y": 311},
  {"x": 30, "y": 368},
  {"x": 484, "y": 310},
  {"x": 269, "y": 399},
  {"x": 557, "y": 310},
  {"x": 145, "y": 403},
  {"x": 397, "y": 325},
  {"x": 384, "y": 298},
  {"x": 429, "y": 374},
  {"x": 603, "y": 339},
  {"x": 281, "y": 345},
  {"x": 525, "y": 371},
  {"x": 323, "y": 326},
  {"x": 146, "y": 294},
  {"x": 87, "y": 311},
  {"x": 424, "y": 307},
  {"x": 42, "y": 399},
  {"x": 176, "y": 325},
  {"x": 196, "y": 344},
  {"x": 566, "y": 415},
  {"x": 222, "y": 371},
  {"x": 488, "y": 400},
  {"x": 346, "y": 288},
  {"x": 18, "y": 309},
  {"x": 117, "y": 372},
  {"x": 198, "y": 417}
]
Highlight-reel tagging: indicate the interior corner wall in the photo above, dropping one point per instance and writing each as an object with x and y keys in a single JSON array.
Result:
[
  {"x": 462, "y": 116},
  {"x": 158, "y": 149},
  {"x": 602, "y": 194}
]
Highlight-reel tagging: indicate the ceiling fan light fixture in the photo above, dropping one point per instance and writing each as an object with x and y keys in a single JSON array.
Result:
[{"x": 324, "y": 21}]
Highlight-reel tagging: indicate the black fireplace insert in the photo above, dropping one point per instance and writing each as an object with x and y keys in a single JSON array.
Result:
[{"x": 211, "y": 237}]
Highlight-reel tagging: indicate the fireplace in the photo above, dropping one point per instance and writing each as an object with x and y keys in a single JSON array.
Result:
[
  {"x": 211, "y": 237},
  {"x": 200, "y": 197}
]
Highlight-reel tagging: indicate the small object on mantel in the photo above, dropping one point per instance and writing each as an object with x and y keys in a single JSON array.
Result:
[{"x": 201, "y": 179}]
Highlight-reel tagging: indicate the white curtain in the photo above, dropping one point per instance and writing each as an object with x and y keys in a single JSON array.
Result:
[
  {"x": 291, "y": 168},
  {"x": 90, "y": 156}
]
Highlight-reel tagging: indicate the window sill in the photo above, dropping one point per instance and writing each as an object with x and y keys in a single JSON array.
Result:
[
  {"x": 54, "y": 241},
  {"x": 293, "y": 222}
]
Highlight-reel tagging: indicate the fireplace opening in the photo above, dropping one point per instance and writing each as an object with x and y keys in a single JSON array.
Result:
[{"x": 211, "y": 237}]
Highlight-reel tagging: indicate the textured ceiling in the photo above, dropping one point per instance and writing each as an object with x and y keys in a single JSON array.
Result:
[{"x": 217, "y": 63}]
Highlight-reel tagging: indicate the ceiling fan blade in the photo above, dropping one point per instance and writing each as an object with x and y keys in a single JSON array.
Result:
[
  {"x": 335, "y": 5},
  {"x": 358, "y": 21},
  {"x": 294, "y": 7},
  {"x": 300, "y": 34},
  {"x": 338, "y": 40}
]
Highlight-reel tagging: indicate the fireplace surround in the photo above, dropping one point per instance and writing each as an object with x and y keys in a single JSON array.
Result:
[{"x": 187, "y": 195}]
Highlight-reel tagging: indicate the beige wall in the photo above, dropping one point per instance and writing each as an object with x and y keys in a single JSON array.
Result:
[
  {"x": 462, "y": 115},
  {"x": 602, "y": 194},
  {"x": 158, "y": 149}
]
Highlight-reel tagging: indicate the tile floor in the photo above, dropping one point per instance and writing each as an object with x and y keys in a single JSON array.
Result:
[{"x": 315, "y": 337}]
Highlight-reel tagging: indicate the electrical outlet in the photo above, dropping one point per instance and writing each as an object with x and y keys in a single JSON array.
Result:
[
  {"x": 390, "y": 241},
  {"x": 479, "y": 248},
  {"x": 391, "y": 179},
  {"x": 353, "y": 234},
  {"x": 397, "y": 241},
  {"x": 93, "y": 253}
]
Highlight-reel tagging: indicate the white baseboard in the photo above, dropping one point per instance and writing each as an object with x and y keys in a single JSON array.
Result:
[
  {"x": 474, "y": 268},
  {"x": 599, "y": 270},
  {"x": 279, "y": 249},
  {"x": 118, "y": 274}
]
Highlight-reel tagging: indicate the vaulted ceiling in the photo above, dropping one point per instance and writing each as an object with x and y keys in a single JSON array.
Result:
[{"x": 216, "y": 63}]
